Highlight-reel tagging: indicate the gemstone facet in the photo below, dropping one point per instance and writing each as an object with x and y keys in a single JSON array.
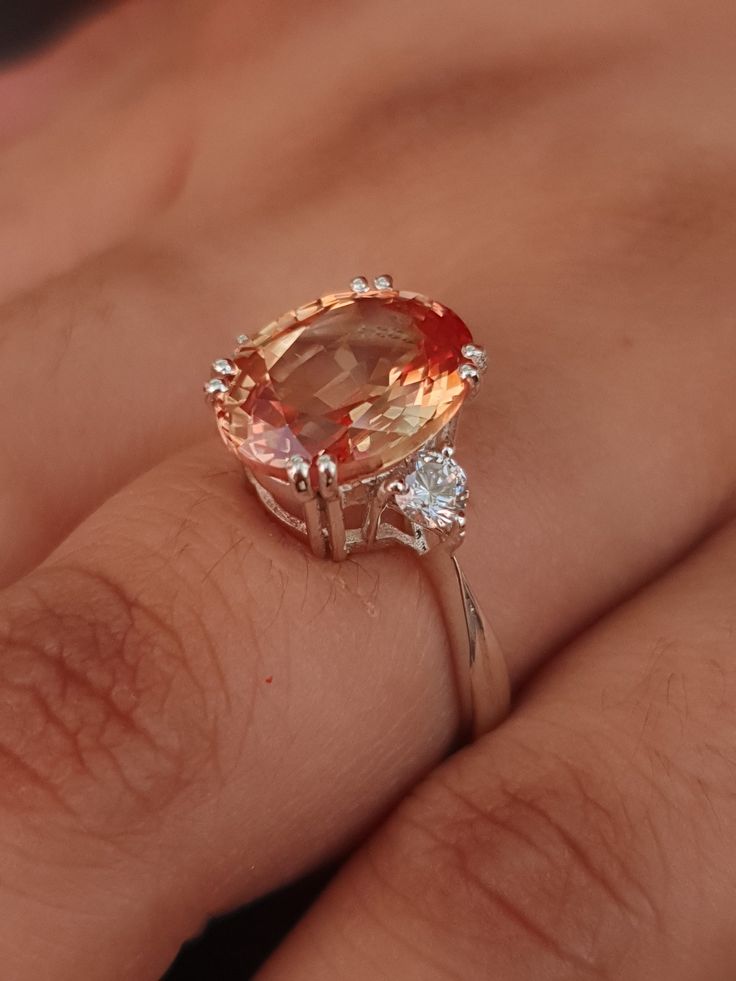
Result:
[
  {"x": 435, "y": 492},
  {"x": 365, "y": 379}
]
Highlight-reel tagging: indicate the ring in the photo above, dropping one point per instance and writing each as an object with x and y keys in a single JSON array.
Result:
[{"x": 344, "y": 415}]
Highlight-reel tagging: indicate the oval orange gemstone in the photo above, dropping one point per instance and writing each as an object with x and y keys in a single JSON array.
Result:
[{"x": 365, "y": 379}]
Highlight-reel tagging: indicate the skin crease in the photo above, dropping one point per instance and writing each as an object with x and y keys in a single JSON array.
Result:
[{"x": 562, "y": 178}]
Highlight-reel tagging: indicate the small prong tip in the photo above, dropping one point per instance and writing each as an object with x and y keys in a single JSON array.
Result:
[
  {"x": 394, "y": 487},
  {"x": 215, "y": 387},
  {"x": 470, "y": 374},
  {"x": 326, "y": 471},
  {"x": 224, "y": 367},
  {"x": 297, "y": 472},
  {"x": 476, "y": 355}
]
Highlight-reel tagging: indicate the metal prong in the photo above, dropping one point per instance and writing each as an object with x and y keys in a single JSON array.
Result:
[
  {"x": 391, "y": 488},
  {"x": 215, "y": 388},
  {"x": 224, "y": 367},
  {"x": 383, "y": 494},
  {"x": 329, "y": 491},
  {"x": 327, "y": 476},
  {"x": 476, "y": 355},
  {"x": 471, "y": 376},
  {"x": 456, "y": 534},
  {"x": 448, "y": 452},
  {"x": 336, "y": 529},
  {"x": 297, "y": 473}
]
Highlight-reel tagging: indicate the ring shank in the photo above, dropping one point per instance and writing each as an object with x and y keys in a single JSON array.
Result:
[
  {"x": 479, "y": 667},
  {"x": 481, "y": 675}
]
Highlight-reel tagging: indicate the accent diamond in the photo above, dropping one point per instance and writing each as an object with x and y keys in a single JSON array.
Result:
[
  {"x": 383, "y": 282},
  {"x": 435, "y": 492},
  {"x": 359, "y": 285}
]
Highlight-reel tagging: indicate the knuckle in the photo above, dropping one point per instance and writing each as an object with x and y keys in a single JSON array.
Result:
[
  {"x": 541, "y": 863},
  {"x": 106, "y": 712}
]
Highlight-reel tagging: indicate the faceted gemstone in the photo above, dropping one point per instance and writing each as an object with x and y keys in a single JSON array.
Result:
[
  {"x": 436, "y": 491},
  {"x": 367, "y": 380}
]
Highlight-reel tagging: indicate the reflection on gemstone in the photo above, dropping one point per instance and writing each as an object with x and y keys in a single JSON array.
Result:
[{"x": 367, "y": 380}]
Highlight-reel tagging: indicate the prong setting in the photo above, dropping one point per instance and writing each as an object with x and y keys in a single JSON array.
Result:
[
  {"x": 297, "y": 472},
  {"x": 392, "y": 488},
  {"x": 477, "y": 356},
  {"x": 471, "y": 376},
  {"x": 383, "y": 282},
  {"x": 224, "y": 367},
  {"x": 359, "y": 284},
  {"x": 327, "y": 476},
  {"x": 215, "y": 388}
]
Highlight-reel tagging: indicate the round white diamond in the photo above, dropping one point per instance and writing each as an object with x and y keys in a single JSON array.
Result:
[
  {"x": 215, "y": 386},
  {"x": 223, "y": 366},
  {"x": 241, "y": 339},
  {"x": 384, "y": 282},
  {"x": 435, "y": 492},
  {"x": 359, "y": 285}
]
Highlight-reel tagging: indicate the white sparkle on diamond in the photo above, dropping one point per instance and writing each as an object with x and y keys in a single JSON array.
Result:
[{"x": 435, "y": 491}]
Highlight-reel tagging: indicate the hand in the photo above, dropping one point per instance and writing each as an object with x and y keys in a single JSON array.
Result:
[{"x": 194, "y": 710}]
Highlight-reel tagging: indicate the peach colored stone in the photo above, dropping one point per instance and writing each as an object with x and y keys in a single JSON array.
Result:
[{"x": 367, "y": 379}]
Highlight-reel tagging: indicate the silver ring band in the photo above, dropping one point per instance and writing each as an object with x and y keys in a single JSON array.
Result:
[{"x": 480, "y": 671}]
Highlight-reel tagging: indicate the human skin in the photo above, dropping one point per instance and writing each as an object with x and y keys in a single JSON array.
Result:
[{"x": 562, "y": 176}]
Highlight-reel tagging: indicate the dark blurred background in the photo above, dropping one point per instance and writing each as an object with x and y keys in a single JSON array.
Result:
[
  {"x": 234, "y": 947},
  {"x": 28, "y": 24}
]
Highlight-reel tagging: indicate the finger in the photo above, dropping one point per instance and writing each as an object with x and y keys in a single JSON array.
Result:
[
  {"x": 195, "y": 710},
  {"x": 590, "y": 837},
  {"x": 120, "y": 342},
  {"x": 182, "y": 675}
]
